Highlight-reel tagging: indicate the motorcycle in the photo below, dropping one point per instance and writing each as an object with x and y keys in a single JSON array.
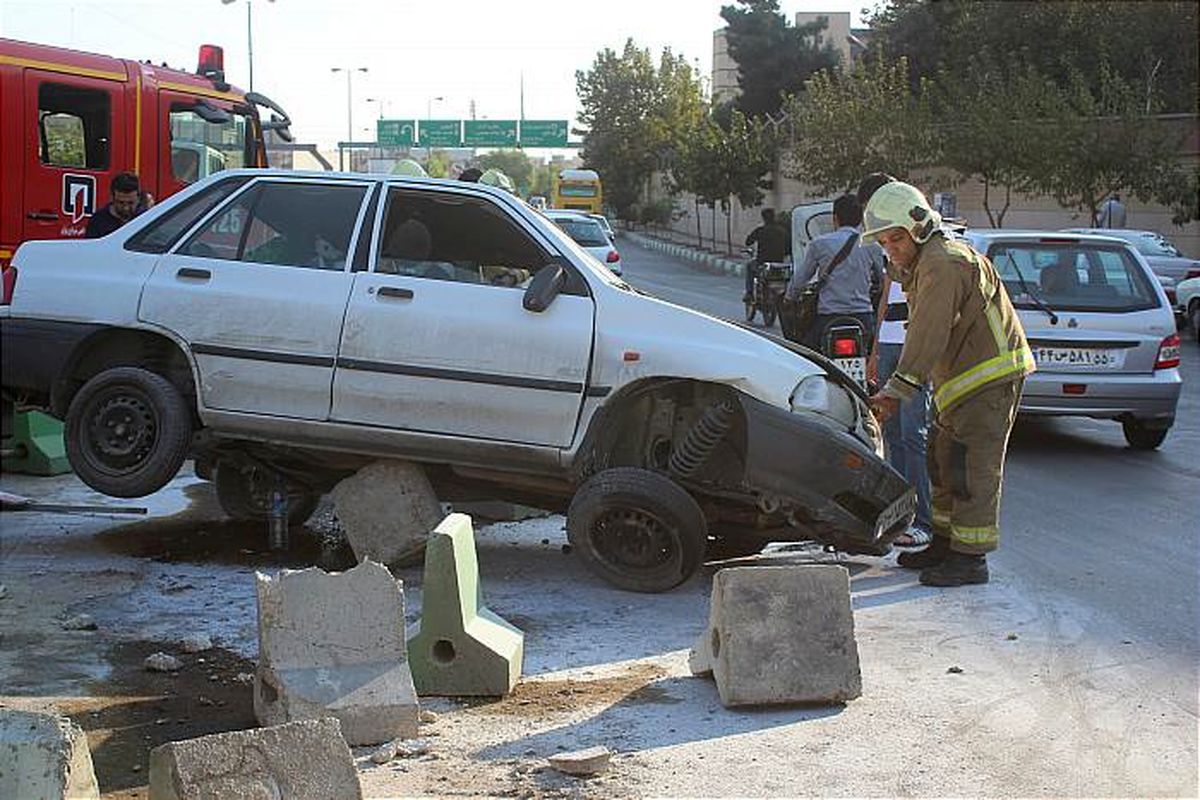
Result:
[
  {"x": 844, "y": 342},
  {"x": 769, "y": 284}
]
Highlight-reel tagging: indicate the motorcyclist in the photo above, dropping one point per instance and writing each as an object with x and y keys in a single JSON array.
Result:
[{"x": 774, "y": 243}]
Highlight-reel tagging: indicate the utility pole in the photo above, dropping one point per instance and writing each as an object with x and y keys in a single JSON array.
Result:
[{"x": 349, "y": 108}]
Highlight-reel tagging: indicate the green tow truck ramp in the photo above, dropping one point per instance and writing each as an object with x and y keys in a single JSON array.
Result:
[{"x": 33, "y": 443}]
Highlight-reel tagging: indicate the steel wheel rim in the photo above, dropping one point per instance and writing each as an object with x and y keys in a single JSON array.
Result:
[
  {"x": 120, "y": 431},
  {"x": 633, "y": 538}
]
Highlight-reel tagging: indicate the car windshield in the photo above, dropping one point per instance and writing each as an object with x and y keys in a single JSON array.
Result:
[
  {"x": 1074, "y": 276},
  {"x": 585, "y": 231}
]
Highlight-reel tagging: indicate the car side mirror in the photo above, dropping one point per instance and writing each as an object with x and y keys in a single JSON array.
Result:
[{"x": 545, "y": 286}]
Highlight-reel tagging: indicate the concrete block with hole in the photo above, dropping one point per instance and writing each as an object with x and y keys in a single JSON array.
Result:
[
  {"x": 332, "y": 644},
  {"x": 306, "y": 760},
  {"x": 460, "y": 648},
  {"x": 387, "y": 510},
  {"x": 45, "y": 755},
  {"x": 780, "y": 635}
]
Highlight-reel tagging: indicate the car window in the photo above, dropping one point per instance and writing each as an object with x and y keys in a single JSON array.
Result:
[
  {"x": 160, "y": 235},
  {"x": 1073, "y": 277},
  {"x": 455, "y": 237},
  {"x": 285, "y": 224},
  {"x": 587, "y": 232}
]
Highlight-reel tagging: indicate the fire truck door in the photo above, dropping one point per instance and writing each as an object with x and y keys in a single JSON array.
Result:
[{"x": 75, "y": 139}]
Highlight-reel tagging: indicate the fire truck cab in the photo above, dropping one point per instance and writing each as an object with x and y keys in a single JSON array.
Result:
[{"x": 70, "y": 121}]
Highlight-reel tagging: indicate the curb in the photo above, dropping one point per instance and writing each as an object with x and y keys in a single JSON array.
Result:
[{"x": 709, "y": 262}]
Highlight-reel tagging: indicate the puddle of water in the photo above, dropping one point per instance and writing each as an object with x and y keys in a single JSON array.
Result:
[{"x": 202, "y": 534}]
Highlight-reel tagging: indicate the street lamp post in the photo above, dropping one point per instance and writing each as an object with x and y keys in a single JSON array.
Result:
[
  {"x": 349, "y": 108},
  {"x": 428, "y": 118},
  {"x": 249, "y": 34}
]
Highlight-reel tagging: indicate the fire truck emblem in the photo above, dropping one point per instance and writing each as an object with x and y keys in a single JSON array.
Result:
[{"x": 79, "y": 196}]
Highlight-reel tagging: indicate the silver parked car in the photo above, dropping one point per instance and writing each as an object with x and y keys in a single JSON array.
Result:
[
  {"x": 1168, "y": 263},
  {"x": 1101, "y": 329}
]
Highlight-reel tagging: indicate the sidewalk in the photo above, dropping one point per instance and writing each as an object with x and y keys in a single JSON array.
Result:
[{"x": 710, "y": 262}]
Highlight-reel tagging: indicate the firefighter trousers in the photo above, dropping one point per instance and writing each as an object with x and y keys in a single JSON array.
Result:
[{"x": 966, "y": 452}]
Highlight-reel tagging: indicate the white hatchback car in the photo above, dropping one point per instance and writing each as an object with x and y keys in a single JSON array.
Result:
[{"x": 589, "y": 234}]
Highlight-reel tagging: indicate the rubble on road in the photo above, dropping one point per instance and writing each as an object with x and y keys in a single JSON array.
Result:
[
  {"x": 460, "y": 648},
  {"x": 332, "y": 644},
  {"x": 306, "y": 760},
  {"x": 780, "y": 635},
  {"x": 196, "y": 643},
  {"x": 79, "y": 622},
  {"x": 387, "y": 510},
  {"x": 162, "y": 662},
  {"x": 591, "y": 761},
  {"x": 400, "y": 748},
  {"x": 44, "y": 755}
]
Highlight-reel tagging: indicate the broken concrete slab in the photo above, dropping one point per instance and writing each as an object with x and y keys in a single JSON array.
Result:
[
  {"x": 591, "y": 761},
  {"x": 306, "y": 760},
  {"x": 460, "y": 648},
  {"x": 780, "y": 635},
  {"x": 332, "y": 644},
  {"x": 387, "y": 510},
  {"x": 44, "y": 755}
]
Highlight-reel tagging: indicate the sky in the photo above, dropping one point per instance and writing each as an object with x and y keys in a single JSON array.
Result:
[{"x": 421, "y": 57}]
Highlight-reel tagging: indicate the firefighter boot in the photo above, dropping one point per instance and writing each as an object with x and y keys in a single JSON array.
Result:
[
  {"x": 956, "y": 569},
  {"x": 934, "y": 554}
]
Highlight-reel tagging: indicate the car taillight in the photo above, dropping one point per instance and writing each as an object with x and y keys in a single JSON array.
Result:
[
  {"x": 1168, "y": 353},
  {"x": 10, "y": 284},
  {"x": 845, "y": 347},
  {"x": 613, "y": 257}
]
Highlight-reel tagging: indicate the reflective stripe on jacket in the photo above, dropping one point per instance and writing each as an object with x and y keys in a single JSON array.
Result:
[{"x": 963, "y": 332}]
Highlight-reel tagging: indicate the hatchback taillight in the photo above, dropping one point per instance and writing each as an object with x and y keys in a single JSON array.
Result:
[
  {"x": 613, "y": 257},
  {"x": 1168, "y": 353},
  {"x": 10, "y": 284}
]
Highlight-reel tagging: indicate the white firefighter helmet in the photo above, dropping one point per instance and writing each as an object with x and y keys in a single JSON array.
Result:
[
  {"x": 409, "y": 167},
  {"x": 900, "y": 205}
]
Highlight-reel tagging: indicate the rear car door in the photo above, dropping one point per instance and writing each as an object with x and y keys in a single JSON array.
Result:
[
  {"x": 258, "y": 291},
  {"x": 436, "y": 338}
]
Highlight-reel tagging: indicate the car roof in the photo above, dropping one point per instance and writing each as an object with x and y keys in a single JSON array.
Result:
[
  {"x": 1008, "y": 234},
  {"x": 357, "y": 177}
]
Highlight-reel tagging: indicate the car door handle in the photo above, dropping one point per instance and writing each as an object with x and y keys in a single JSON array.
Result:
[
  {"x": 192, "y": 272},
  {"x": 43, "y": 216},
  {"x": 393, "y": 291}
]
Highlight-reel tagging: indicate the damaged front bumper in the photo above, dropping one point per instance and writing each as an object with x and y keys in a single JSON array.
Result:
[{"x": 826, "y": 479}]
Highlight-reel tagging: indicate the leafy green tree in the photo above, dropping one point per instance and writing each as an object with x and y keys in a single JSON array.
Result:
[
  {"x": 774, "y": 57},
  {"x": 513, "y": 163},
  {"x": 848, "y": 124}
]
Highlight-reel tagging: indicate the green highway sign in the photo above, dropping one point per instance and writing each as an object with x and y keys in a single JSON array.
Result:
[
  {"x": 441, "y": 133},
  {"x": 490, "y": 133},
  {"x": 543, "y": 133},
  {"x": 396, "y": 132}
]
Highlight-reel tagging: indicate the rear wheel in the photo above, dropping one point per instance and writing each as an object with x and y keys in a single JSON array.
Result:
[
  {"x": 1141, "y": 437},
  {"x": 244, "y": 493},
  {"x": 127, "y": 432},
  {"x": 637, "y": 529}
]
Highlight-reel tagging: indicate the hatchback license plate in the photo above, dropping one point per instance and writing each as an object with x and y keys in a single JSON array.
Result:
[
  {"x": 1079, "y": 358},
  {"x": 903, "y": 508}
]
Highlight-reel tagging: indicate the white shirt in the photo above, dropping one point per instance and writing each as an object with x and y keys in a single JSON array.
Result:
[{"x": 892, "y": 332}]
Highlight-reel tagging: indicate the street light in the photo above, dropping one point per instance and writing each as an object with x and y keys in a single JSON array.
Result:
[
  {"x": 349, "y": 106},
  {"x": 428, "y": 118},
  {"x": 382, "y": 102},
  {"x": 249, "y": 35}
]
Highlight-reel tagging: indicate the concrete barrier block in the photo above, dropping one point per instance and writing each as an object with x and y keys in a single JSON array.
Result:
[
  {"x": 387, "y": 510},
  {"x": 460, "y": 648},
  {"x": 306, "y": 760},
  {"x": 44, "y": 755},
  {"x": 781, "y": 635},
  {"x": 333, "y": 645}
]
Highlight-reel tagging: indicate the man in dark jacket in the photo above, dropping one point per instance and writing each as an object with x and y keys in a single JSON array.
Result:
[
  {"x": 127, "y": 202},
  {"x": 772, "y": 242}
]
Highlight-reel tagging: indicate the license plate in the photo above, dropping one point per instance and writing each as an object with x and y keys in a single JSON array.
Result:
[
  {"x": 1079, "y": 358},
  {"x": 855, "y": 368},
  {"x": 903, "y": 509}
]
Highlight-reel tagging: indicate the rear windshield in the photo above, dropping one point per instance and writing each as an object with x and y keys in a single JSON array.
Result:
[
  {"x": 1073, "y": 276},
  {"x": 586, "y": 232},
  {"x": 1154, "y": 245}
]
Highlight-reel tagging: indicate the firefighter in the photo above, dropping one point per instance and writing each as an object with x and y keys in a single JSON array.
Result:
[{"x": 964, "y": 337}]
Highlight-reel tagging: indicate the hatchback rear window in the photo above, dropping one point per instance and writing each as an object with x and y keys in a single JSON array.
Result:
[
  {"x": 1073, "y": 276},
  {"x": 584, "y": 231}
]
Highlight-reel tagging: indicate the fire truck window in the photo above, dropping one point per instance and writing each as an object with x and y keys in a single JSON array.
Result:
[
  {"x": 73, "y": 126},
  {"x": 199, "y": 148}
]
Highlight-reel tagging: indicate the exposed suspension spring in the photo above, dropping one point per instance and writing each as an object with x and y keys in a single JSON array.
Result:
[{"x": 698, "y": 444}]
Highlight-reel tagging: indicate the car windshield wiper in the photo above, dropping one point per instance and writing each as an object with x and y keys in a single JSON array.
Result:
[{"x": 1029, "y": 292}]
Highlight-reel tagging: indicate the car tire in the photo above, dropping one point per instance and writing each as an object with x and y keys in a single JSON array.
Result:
[
  {"x": 244, "y": 493},
  {"x": 637, "y": 529},
  {"x": 1141, "y": 437},
  {"x": 127, "y": 432}
]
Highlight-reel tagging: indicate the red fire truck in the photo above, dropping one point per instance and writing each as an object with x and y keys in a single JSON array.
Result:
[{"x": 70, "y": 121}]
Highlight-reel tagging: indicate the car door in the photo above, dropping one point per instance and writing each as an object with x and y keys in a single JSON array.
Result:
[
  {"x": 436, "y": 338},
  {"x": 258, "y": 291}
]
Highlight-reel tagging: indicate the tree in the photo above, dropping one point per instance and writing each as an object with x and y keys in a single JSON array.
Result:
[
  {"x": 437, "y": 164},
  {"x": 849, "y": 124},
  {"x": 774, "y": 57},
  {"x": 513, "y": 163}
]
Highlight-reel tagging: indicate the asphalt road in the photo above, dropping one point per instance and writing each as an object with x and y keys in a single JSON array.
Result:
[{"x": 1086, "y": 521}]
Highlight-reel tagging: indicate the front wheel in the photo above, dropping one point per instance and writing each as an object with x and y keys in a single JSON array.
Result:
[
  {"x": 751, "y": 308},
  {"x": 637, "y": 529},
  {"x": 770, "y": 311},
  {"x": 1194, "y": 318},
  {"x": 128, "y": 430},
  {"x": 244, "y": 493},
  {"x": 1141, "y": 437}
]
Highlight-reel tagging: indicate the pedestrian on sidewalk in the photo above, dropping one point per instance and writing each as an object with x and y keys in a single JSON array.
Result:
[
  {"x": 906, "y": 434},
  {"x": 964, "y": 338}
]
